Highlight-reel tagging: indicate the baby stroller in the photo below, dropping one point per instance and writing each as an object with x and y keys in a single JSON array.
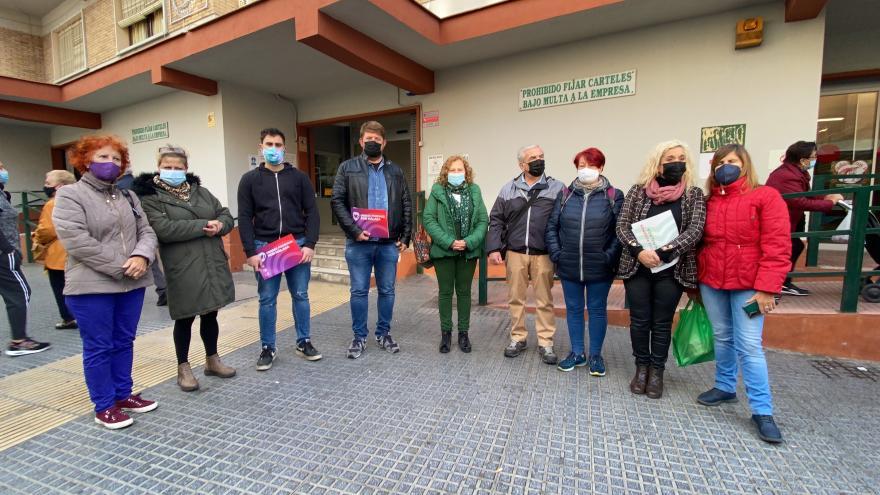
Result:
[{"x": 870, "y": 286}]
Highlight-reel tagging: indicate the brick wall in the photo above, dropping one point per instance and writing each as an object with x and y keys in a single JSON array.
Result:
[
  {"x": 100, "y": 31},
  {"x": 48, "y": 60},
  {"x": 22, "y": 55}
]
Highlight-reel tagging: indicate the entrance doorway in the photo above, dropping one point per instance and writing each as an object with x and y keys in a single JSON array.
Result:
[{"x": 334, "y": 141}]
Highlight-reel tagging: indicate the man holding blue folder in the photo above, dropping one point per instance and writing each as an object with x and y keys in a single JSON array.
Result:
[{"x": 274, "y": 200}]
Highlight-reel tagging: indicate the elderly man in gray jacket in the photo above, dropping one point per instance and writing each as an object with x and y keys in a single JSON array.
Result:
[{"x": 516, "y": 235}]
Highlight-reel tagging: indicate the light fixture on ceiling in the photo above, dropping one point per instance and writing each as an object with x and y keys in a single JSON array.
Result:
[
  {"x": 823, "y": 130},
  {"x": 830, "y": 119}
]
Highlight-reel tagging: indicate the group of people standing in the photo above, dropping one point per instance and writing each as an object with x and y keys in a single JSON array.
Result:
[{"x": 732, "y": 249}]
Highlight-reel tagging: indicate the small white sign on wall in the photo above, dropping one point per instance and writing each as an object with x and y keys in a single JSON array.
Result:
[
  {"x": 435, "y": 163},
  {"x": 253, "y": 162}
]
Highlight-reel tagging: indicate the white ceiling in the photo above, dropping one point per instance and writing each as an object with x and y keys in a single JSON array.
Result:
[{"x": 33, "y": 8}]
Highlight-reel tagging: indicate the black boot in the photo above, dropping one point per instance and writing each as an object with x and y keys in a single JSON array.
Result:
[
  {"x": 445, "y": 341},
  {"x": 464, "y": 343}
]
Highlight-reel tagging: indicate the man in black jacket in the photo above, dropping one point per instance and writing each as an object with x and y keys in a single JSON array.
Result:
[
  {"x": 276, "y": 199},
  {"x": 371, "y": 181}
]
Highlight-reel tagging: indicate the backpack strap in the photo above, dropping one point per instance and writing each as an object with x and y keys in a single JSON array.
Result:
[{"x": 127, "y": 194}]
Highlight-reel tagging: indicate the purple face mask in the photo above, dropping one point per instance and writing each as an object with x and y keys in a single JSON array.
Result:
[{"x": 105, "y": 171}]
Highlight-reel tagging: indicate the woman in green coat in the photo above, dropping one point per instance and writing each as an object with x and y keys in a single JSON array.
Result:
[
  {"x": 189, "y": 222},
  {"x": 456, "y": 219}
]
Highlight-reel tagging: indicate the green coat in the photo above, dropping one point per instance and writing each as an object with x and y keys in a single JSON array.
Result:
[
  {"x": 196, "y": 266},
  {"x": 439, "y": 224}
]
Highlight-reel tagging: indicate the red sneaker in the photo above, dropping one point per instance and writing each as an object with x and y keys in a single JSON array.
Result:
[
  {"x": 113, "y": 419},
  {"x": 136, "y": 404}
]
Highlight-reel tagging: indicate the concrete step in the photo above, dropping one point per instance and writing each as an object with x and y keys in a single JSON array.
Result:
[
  {"x": 322, "y": 249},
  {"x": 331, "y": 275},
  {"x": 335, "y": 262}
]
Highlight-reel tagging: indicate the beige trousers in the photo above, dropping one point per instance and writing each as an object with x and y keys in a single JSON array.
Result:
[{"x": 522, "y": 268}]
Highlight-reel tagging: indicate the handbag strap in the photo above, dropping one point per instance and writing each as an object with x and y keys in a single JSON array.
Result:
[{"x": 514, "y": 217}]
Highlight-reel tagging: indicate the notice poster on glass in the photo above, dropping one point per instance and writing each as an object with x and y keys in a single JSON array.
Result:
[{"x": 655, "y": 232}]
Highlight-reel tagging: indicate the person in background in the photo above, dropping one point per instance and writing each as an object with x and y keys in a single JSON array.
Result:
[
  {"x": 124, "y": 183},
  {"x": 793, "y": 176},
  {"x": 581, "y": 241},
  {"x": 14, "y": 287},
  {"x": 665, "y": 185},
  {"x": 371, "y": 180},
  {"x": 517, "y": 224},
  {"x": 110, "y": 246},
  {"x": 742, "y": 263},
  {"x": 455, "y": 217},
  {"x": 274, "y": 200},
  {"x": 189, "y": 223},
  {"x": 56, "y": 256}
]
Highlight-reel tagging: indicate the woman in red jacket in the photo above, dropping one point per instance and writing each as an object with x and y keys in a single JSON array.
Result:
[{"x": 742, "y": 264}]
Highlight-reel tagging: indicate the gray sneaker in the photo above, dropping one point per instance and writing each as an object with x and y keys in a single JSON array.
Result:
[
  {"x": 547, "y": 355},
  {"x": 387, "y": 343},
  {"x": 514, "y": 348},
  {"x": 357, "y": 348},
  {"x": 267, "y": 356}
]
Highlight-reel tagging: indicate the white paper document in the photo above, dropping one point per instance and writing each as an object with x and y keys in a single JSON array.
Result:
[{"x": 655, "y": 232}]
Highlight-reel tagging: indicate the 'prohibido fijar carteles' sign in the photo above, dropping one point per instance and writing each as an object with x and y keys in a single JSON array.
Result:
[{"x": 590, "y": 88}]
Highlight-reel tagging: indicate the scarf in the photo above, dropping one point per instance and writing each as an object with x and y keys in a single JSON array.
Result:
[
  {"x": 461, "y": 210},
  {"x": 663, "y": 194},
  {"x": 588, "y": 188},
  {"x": 180, "y": 192}
]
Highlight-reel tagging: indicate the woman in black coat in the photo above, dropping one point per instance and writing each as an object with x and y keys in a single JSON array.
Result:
[{"x": 581, "y": 241}]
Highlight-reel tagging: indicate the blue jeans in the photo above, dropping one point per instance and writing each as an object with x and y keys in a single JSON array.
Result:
[
  {"x": 362, "y": 258},
  {"x": 738, "y": 343},
  {"x": 107, "y": 326},
  {"x": 298, "y": 285},
  {"x": 597, "y": 308}
]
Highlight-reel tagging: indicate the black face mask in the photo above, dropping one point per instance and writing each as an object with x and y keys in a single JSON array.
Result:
[
  {"x": 536, "y": 168},
  {"x": 372, "y": 149},
  {"x": 50, "y": 191},
  {"x": 672, "y": 173}
]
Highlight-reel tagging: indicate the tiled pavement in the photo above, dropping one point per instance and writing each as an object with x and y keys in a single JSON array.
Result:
[{"x": 421, "y": 422}]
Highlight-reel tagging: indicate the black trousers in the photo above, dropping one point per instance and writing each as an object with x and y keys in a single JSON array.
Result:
[
  {"x": 56, "y": 280},
  {"x": 797, "y": 247},
  {"x": 208, "y": 328},
  {"x": 16, "y": 293},
  {"x": 653, "y": 299}
]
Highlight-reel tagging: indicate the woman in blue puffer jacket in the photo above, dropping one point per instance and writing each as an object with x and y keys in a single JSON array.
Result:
[{"x": 582, "y": 242}]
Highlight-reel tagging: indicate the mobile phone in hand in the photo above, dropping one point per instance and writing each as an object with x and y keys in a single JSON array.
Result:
[{"x": 752, "y": 309}]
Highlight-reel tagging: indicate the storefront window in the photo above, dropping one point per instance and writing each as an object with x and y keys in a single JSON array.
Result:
[{"x": 846, "y": 134}]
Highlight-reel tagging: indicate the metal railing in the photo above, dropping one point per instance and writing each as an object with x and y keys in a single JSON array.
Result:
[
  {"x": 855, "y": 250},
  {"x": 30, "y": 201},
  {"x": 817, "y": 219}
]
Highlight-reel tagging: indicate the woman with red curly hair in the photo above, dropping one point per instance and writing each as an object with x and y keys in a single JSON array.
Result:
[{"x": 110, "y": 246}]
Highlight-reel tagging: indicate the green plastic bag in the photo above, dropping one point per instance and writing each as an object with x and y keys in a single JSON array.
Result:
[{"x": 693, "y": 341}]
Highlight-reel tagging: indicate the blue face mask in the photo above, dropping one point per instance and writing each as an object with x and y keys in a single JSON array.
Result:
[
  {"x": 812, "y": 164},
  {"x": 4, "y": 176},
  {"x": 727, "y": 174},
  {"x": 173, "y": 178},
  {"x": 273, "y": 156},
  {"x": 455, "y": 179}
]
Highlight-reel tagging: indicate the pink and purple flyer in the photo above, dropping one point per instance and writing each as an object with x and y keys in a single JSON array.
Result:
[
  {"x": 279, "y": 256},
  {"x": 373, "y": 221}
]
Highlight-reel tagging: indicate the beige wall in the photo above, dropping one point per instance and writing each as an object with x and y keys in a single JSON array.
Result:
[
  {"x": 22, "y": 55},
  {"x": 26, "y": 153},
  {"x": 187, "y": 116},
  {"x": 689, "y": 76},
  {"x": 100, "y": 30},
  {"x": 245, "y": 114}
]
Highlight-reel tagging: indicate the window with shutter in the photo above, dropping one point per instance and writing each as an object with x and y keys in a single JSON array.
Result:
[{"x": 70, "y": 48}]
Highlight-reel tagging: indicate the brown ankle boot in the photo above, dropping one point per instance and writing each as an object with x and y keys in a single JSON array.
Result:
[
  {"x": 654, "y": 389},
  {"x": 215, "y": 367},
  {"x": 637, "y": 385},
  {"x": 185, "y": 378}
]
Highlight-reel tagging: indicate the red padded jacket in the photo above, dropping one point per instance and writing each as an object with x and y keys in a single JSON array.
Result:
[
  {"x": 746, "y": 242},
  {"x": 789, "y": 178}
]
